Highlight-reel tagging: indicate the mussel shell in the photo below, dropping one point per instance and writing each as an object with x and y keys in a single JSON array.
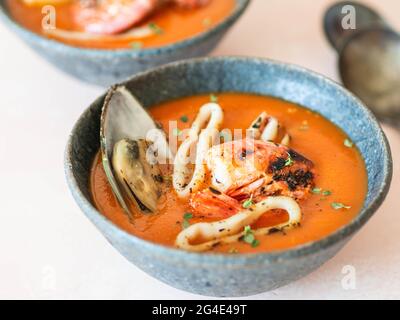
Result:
[
  {"x": 123, "y": 117},
  {"x": 135, "y": 173}
]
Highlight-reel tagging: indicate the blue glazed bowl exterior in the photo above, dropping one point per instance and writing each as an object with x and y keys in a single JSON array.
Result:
[
  {"x": 243, "y": 274},
  {"x": 105, "y": 67}
]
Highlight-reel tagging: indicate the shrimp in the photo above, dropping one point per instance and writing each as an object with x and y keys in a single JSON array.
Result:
[
  {"x": 248, "y": 177},
  {"x": 254, "y": 168},
  {"x": 244, "y": 167},
  {"x": 267, "y": 175},
  {"x": 108, "y": 17},
  {"x": 211, "y": 203},
  {"x": 251, "y": 169},
  {"x": 45, "y": 2}
]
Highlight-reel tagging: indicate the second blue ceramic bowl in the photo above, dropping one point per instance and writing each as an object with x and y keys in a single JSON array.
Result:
[
  {"x": 243, "y": 274},
  {"x": 105, "y": 67}
]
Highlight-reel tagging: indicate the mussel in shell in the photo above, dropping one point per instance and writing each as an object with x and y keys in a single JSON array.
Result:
[
  {"x": 140, "y": 179},
  {"x": 129, "y": 137}
]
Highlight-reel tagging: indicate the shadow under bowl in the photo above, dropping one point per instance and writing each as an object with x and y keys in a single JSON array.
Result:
[
  {"x": 105, "y": 67},
  {"x": 243, "y": 274}
]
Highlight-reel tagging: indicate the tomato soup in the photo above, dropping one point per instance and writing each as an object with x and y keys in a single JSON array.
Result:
[
  {"x": 336, "y": 198},
  {"x": 173, "y": 24}
]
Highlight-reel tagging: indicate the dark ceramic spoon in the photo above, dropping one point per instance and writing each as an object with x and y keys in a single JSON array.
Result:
[{"x": 369, "y": 58}]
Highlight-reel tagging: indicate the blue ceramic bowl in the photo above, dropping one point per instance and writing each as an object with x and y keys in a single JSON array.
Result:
[
  {"x": 243, "y": 274},
  {"x": 105, "y": 67}
]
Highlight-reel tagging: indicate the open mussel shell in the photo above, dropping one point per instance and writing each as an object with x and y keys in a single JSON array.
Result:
[
  {"x": 123, "y": 129},
  {"x": 140, "y": 179}
]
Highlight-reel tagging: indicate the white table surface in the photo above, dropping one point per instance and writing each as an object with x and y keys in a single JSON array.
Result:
[{"x": 48, "y": 249}]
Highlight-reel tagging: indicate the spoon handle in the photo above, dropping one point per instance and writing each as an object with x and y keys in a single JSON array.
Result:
[{"x": 345, "y": 18}]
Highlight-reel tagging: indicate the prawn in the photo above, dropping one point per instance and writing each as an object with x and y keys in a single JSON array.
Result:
[{"x": 109, "y": 17}]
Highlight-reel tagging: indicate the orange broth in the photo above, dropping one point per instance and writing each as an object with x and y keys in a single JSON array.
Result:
[
  {"x": 339, "y": 170},
  {"x": 176, "y": 23}
]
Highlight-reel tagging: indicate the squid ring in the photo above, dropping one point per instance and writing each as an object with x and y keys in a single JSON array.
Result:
[
  {"x": 266, "y": 128},
  {"x": 202, "y": 133},
  {"x": 204, "y": 236}
]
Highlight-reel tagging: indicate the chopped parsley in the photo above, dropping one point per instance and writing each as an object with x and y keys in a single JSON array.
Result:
[
  {"x": 316, "y": 190},
  {"x": 213, "y": 98},
  {"x": 348, "y": 143},
  {"x": 289, "y": 161},
  {"x": 248, "y": 203},
  {"x": 156, "y": 28},
  {"x": 177, "y": 132},
  {"x": 321, "y": 191},
  {"x": 184, "y": 119},
  {"x": 136, "y": 45},
  {"x": 249, "y": 237},
  {"x": 326, "y": 193},
  {"x": 188, "y": 215},
  {"x": 186, "y": 220},
  {"x": 255, "y": 243},
  {"x": 338, "y": 206}
]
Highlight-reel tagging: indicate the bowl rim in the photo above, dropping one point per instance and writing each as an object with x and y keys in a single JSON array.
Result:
[
  {"x": 252, "y": 259},
  {"x": 241, "y": 6}
]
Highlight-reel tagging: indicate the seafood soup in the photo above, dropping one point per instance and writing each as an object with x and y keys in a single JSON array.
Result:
[
  {"x": 119, "y": 24},
  {"x": 246, "y": 174}
]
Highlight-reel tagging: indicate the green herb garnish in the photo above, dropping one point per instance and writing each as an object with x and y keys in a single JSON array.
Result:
[
  {"x": 184, "y": 119},
  {"x": 248, "y": 203},
  {"x": 185, "y": 224},
  {"x": 289, "y": 161},
  {"x": 338, "y": 206},
  {"x": 213, "y": 98},
  {"x": 249, "y": 237},
  {"x": 255, "y": 243},
  {"x": 348, "y": 143},
  {"x": 326, "y": 193},
  {"x": 321, "y": 191},
  {"x": 316, "y": 190},
  {"x": 177, "y": 132},
  {"x": 136, "y": 45},
  {"x": 156, "y": 28},
  {"x": 186, "y": 217}
]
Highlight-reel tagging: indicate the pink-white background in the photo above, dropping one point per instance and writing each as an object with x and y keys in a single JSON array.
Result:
[{"x": 50, "y": 250}]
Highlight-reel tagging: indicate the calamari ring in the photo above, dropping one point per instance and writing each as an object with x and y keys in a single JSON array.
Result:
[
  {"x": 203, "y": 132},
  {"x": 230, "y": 230},
  {"x": 266, "y": 128}
]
